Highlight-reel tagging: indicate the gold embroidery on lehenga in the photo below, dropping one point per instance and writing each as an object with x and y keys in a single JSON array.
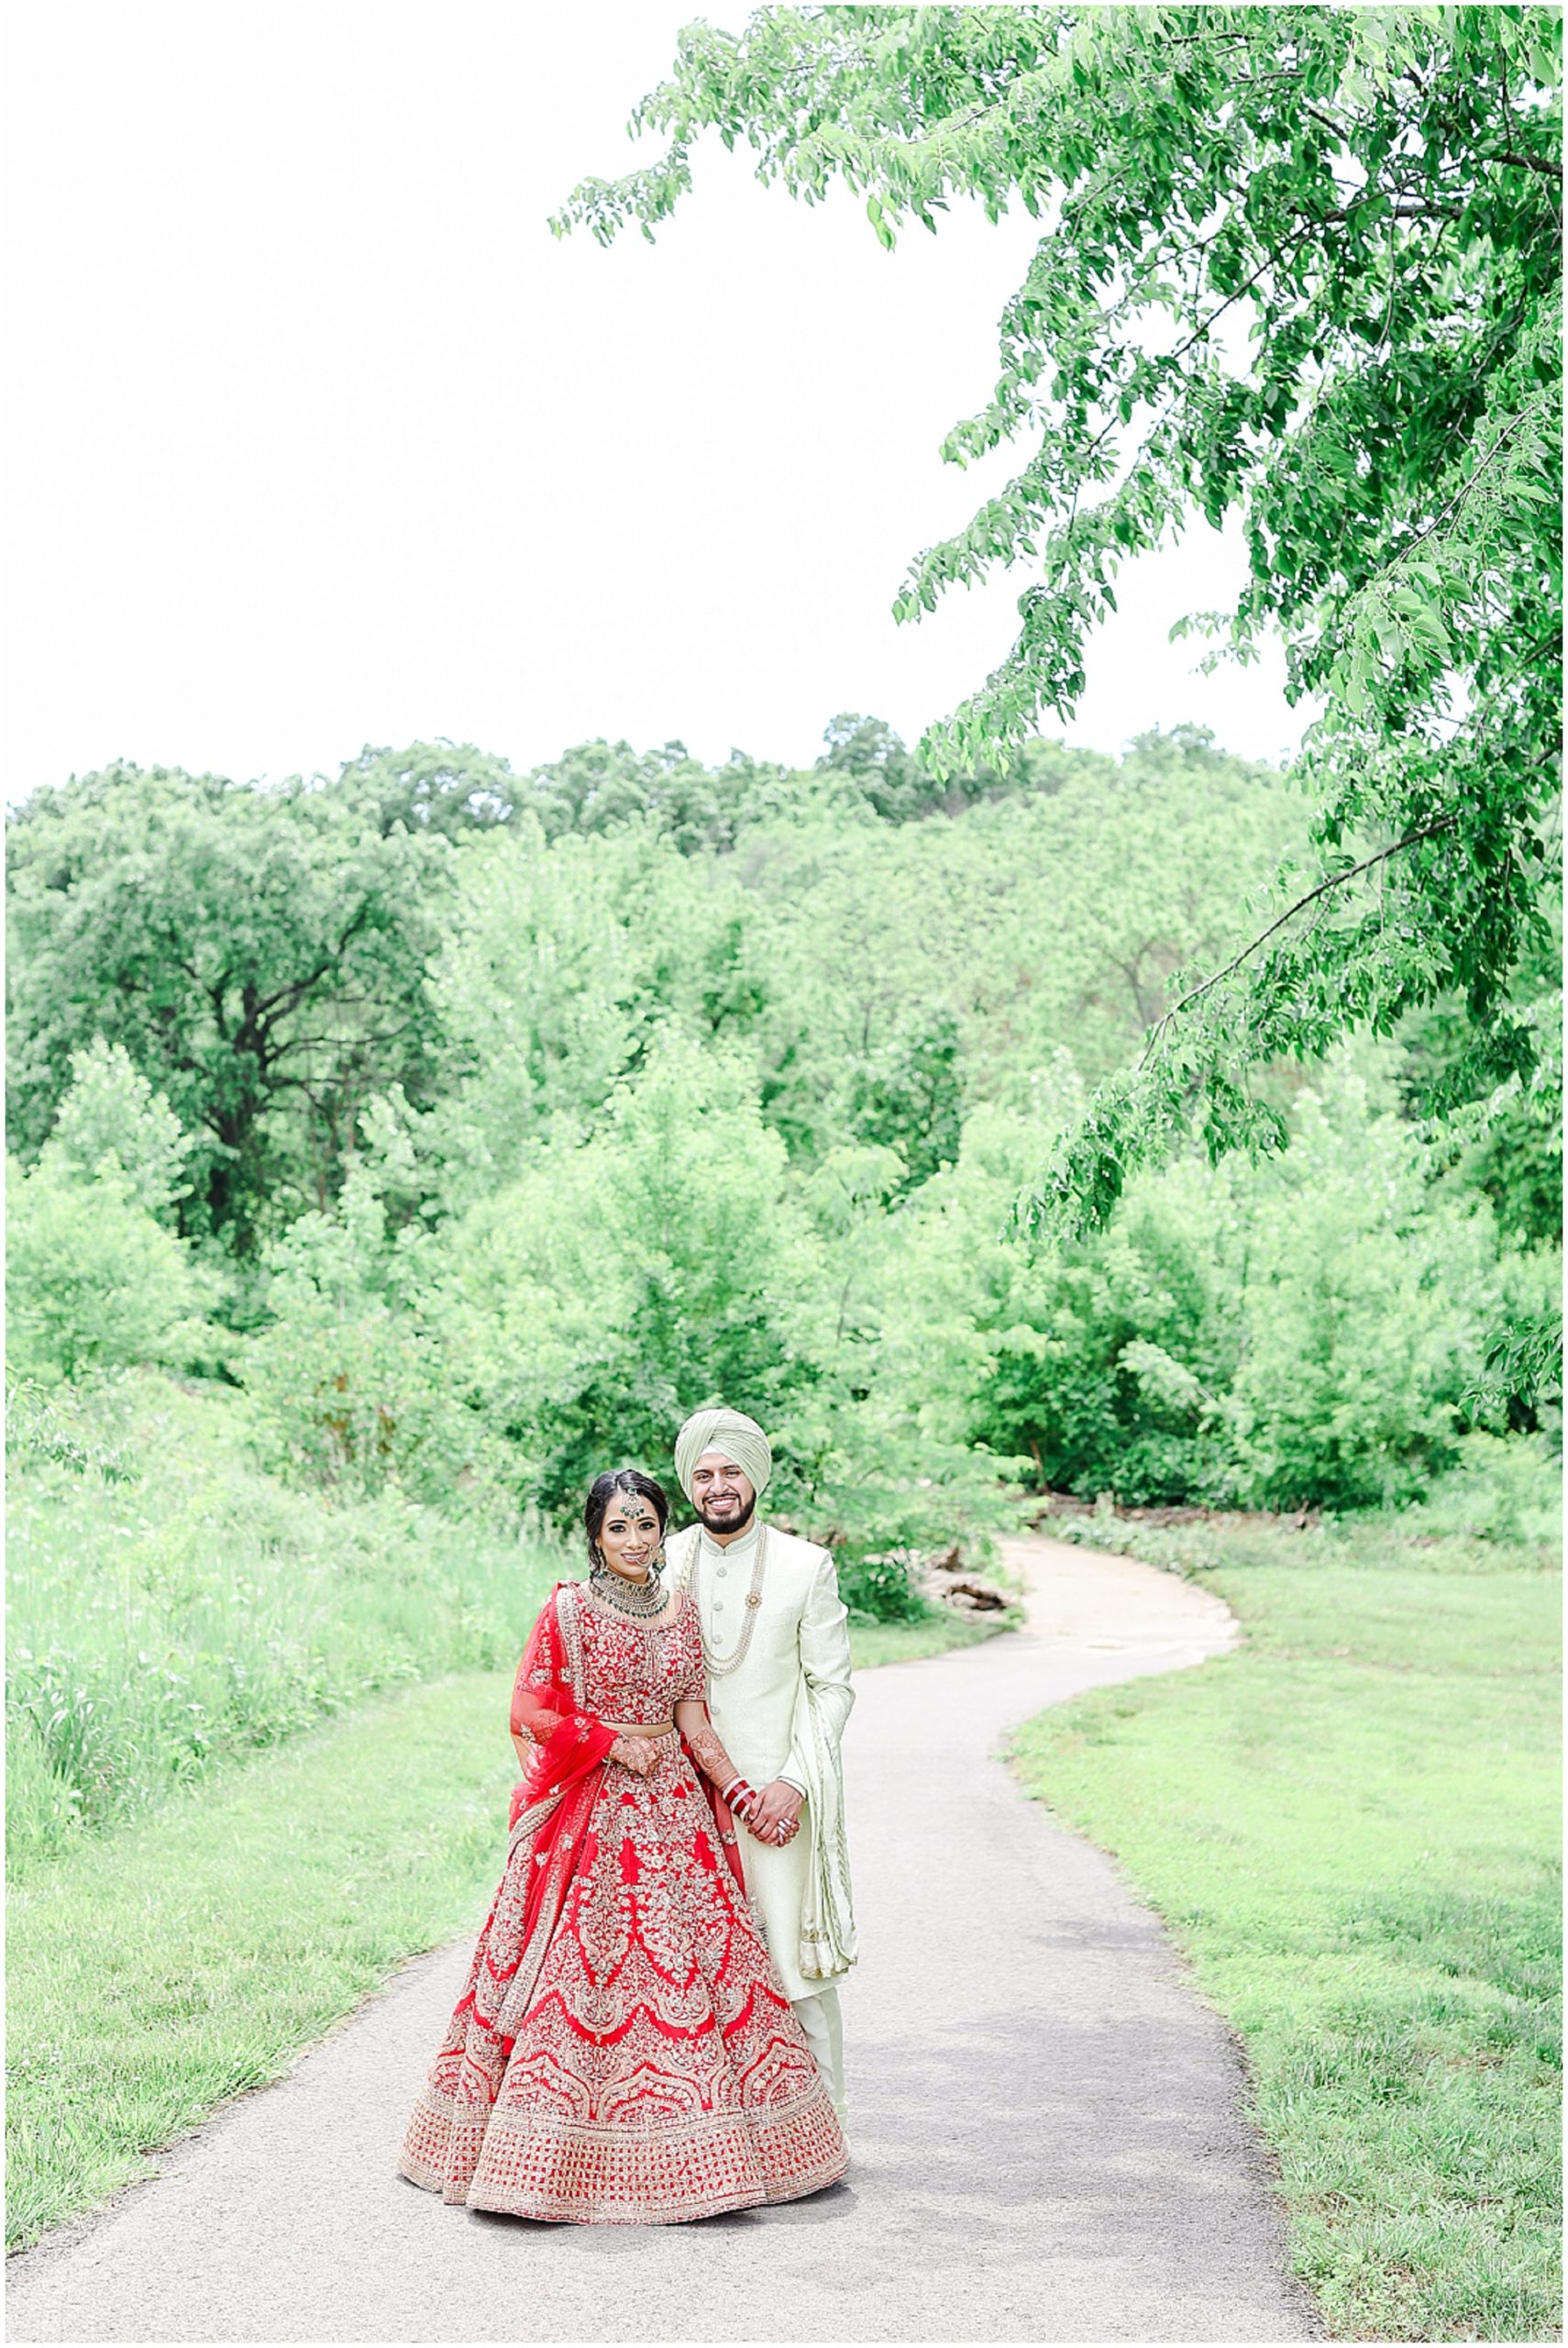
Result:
[{"x": 635, "y": 2061}]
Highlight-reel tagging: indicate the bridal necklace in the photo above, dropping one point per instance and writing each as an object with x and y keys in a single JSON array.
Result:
[
  {"x": 720, "y": 1666},
  {"x": 640, "y": 1600}
]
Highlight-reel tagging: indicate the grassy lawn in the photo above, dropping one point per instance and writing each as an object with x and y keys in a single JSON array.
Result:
[
  {"x": 871, "y": 1643},
  {"x": 1352, "y": 1827},
  {"x": 195, "y": 1953}
]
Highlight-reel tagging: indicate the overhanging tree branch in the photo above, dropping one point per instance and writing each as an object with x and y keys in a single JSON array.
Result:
[{"x": 1324, "y": 888}]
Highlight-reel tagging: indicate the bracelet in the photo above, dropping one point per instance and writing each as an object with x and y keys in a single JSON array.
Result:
[{"x": 739, "y": 1795}]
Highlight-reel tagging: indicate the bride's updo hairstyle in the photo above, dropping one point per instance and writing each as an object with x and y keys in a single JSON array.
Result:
[{"x": 603, "y": 1490}]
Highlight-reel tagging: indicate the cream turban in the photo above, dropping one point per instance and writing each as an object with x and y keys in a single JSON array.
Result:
[{"x": 728, "y": 1431}]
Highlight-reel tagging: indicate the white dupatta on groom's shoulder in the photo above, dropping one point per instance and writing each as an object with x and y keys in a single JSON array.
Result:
[{"x": 827, "y": 1914}]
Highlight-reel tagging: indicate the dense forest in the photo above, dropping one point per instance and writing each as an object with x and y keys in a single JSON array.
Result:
[{"x": 480, "y": 1125}]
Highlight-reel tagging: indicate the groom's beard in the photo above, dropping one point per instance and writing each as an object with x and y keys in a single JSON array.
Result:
[{"x": 729, "y": 1523}]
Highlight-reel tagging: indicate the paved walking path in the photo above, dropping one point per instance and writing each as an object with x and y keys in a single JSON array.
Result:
[{"x": 1046, "y": 2126}]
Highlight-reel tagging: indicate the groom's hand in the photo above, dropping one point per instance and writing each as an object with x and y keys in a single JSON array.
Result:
[{"x": 778, "y": 1812}]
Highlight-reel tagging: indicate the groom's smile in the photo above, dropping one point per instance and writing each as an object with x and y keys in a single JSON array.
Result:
[{"x": 722, "y": 1494}]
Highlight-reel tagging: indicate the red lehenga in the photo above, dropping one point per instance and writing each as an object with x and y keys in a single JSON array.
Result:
[{"x": 622, "y": 2053}]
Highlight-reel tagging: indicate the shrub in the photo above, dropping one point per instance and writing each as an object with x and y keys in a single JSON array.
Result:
[
  {"x": 881, "y": 1588},
  {"x": 92, "y": 1280}
]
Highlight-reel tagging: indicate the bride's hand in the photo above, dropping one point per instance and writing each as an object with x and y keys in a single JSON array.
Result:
[{"x": 639, "y": 1754}]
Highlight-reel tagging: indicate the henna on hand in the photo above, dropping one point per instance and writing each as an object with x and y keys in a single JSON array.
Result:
[
  {"x": 709, "y": 1754},
  {"x": 708, "y": 1751}
]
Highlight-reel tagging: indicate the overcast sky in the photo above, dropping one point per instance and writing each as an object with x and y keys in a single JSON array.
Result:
[{"x": 318, "y": 437}]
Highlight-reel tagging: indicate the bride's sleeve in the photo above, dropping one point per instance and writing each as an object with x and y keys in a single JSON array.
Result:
[
  {"x": 692, "y": 1716},
  {"x": 691, "y": 1686}
]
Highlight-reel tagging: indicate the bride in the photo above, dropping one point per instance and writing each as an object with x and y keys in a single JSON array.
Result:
[{"x": 622, "y": 2053}]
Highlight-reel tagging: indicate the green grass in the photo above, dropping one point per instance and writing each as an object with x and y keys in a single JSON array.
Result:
[
  {"x": 873, "y": 1644},
  {"x": 193, "y": 1953},
  {"x": 1352, "y": 1827},
  {"x": 174, "y": 1609}
]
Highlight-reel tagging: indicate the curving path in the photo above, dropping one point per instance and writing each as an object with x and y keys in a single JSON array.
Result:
[{"x": 1047, "y": 2125}]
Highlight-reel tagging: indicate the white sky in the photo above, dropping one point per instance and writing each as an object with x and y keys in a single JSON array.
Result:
[{"x": 318, "y": 437}]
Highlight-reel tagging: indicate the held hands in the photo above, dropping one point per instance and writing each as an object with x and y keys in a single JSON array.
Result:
[{"x": 773, "y": 1815}]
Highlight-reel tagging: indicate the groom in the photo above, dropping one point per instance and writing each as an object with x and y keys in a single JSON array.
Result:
[{"x": 776, "y": 1646}]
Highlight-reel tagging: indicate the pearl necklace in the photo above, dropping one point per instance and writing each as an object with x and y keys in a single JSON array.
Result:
[{"x": 720, "y": 1667}]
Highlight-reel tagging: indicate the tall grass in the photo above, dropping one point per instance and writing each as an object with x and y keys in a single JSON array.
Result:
[{"x": 173, "y": 1607}]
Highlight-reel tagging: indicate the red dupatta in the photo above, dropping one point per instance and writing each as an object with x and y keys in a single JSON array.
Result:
[
  {"x": 568, "y": 1751},
  {"x": 566, "y": 1740}
]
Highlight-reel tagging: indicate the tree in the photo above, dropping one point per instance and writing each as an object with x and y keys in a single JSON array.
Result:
[
  {"x": 878, "y": 936},
  {"x": 111, "y": 1122},
  {"x": 1300, "y": 264},
  {"x": 434, "y": 787},
  {"x": 909, "y": 1097},
  {"x": 600, "y": 787},
  {"x": 259, "y": 954},
  {"x": 899, "y": 788},
  {"x": 541, "y": 985},
  {"x": 561, "y": 961},
  {"x": 610, "y": 1288},
  {"x": 894, "y": 782},
  {"x": 349, "y": 1381},
  {"x": 1308, "y": 1330}
]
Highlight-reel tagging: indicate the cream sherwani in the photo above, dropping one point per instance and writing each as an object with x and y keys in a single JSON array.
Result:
[{"x": 779, "y": 1710}]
